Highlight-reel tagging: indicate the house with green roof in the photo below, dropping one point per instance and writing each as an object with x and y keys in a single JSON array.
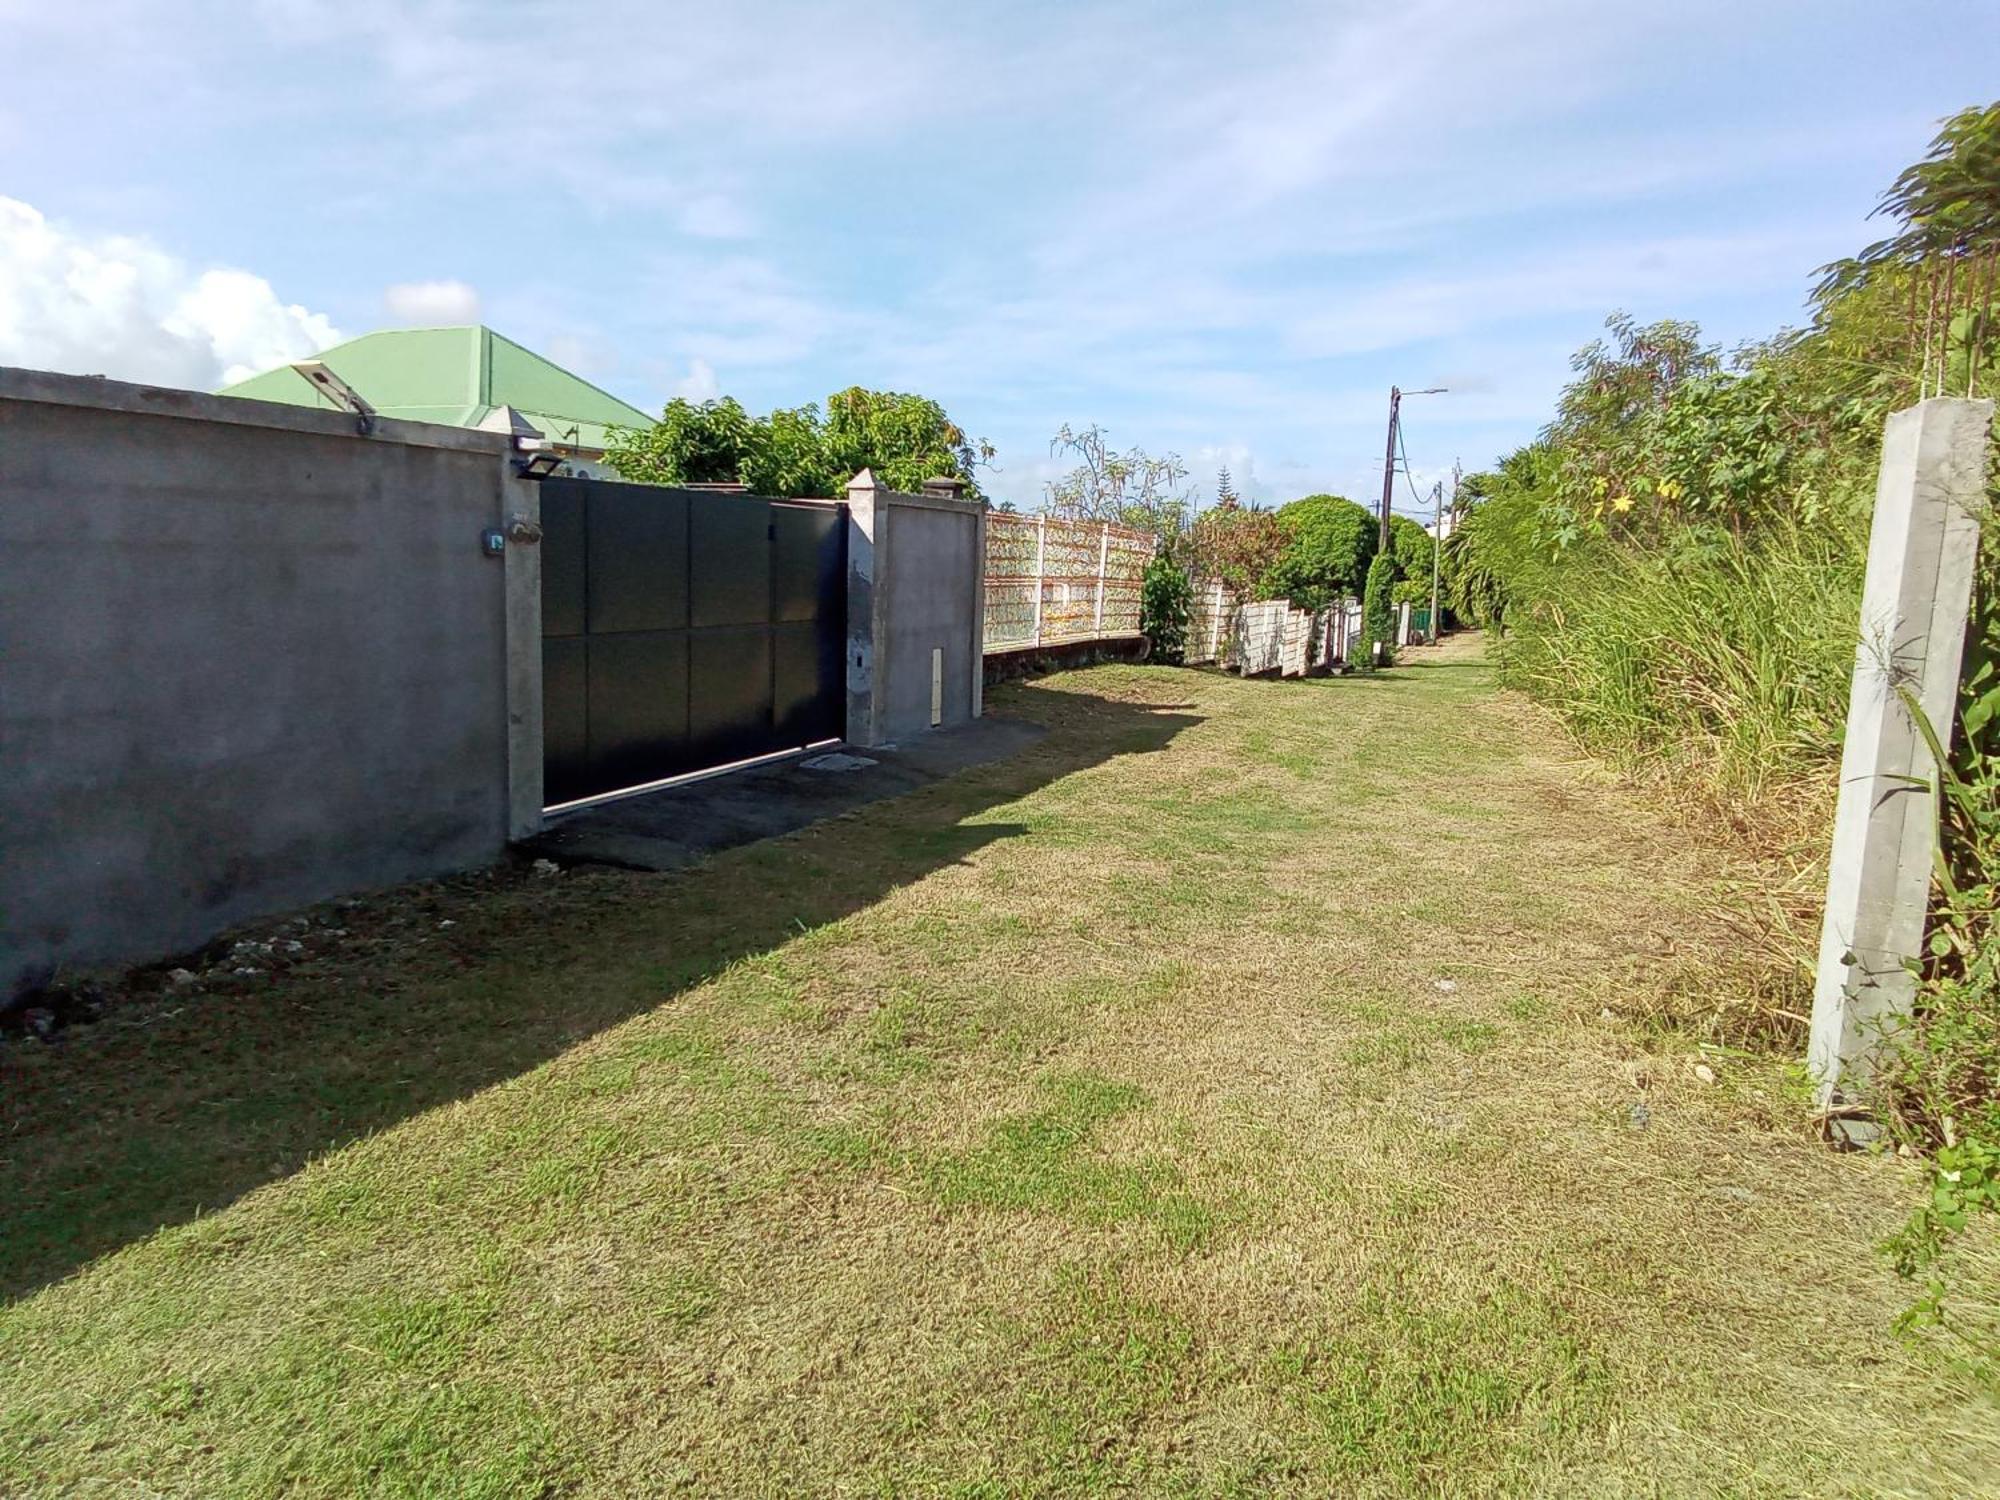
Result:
[{"x": 462, "y": 377}]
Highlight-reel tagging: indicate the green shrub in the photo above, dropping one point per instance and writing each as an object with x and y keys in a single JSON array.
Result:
[
  {"x": 1411, "y": 546},
  {"x": 1378, "y": 614},
  {"x": 1166, "y": 596},
  {"x": 1329, "y": 542},
  {"x": 794, "y": 451}
]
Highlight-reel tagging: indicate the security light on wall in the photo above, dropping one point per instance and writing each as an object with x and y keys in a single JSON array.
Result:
[
  {"x": 535, "y": 459},
  {"x": 336, "y": 390}
]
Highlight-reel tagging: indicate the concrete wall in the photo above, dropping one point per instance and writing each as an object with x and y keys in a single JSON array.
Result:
[
  {"x": 915, "y": 585},
  {"x": 253, "y": 658}
]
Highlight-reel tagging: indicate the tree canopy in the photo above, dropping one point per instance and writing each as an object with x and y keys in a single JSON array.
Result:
[
  {"x": 904, "y": 439},
  {"x": 1135, "y": 488},
  {"x": 1329, "y": 541}
]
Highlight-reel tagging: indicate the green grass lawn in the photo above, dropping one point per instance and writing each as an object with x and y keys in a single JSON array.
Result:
[{"x": 1218, "y": 1098}]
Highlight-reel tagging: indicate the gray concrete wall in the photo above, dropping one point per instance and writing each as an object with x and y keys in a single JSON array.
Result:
[
  {"x": 915, "y": 582},
  {"x": 254, "y": 658}
]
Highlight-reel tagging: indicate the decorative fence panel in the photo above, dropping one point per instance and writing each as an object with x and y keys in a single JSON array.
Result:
[
  {"x": 1325, "y": 648},
  {"x": 1050, "y": 582},
  {"x": 1269, "y": 635},
  {"x": 1292, "y": 649},
  {"x": 1259, "y": 636},
  {"x": 1208, "y": 621}
]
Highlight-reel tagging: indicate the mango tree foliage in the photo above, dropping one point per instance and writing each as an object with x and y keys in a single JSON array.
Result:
[
  {"x": 903, "y": 439},
  {"x": 692, "y": 443}
]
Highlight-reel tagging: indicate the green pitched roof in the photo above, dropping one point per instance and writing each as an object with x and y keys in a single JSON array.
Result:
[{"x": 456, "y": 376}]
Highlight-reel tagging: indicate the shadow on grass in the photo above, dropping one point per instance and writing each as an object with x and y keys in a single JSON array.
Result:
[{"x": 175, "y": 1106}]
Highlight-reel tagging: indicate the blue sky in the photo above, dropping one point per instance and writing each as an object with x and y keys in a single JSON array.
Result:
[{"x": 1219, "y": 230}]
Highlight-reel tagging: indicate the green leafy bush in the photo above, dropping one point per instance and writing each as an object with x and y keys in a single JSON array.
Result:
[
  {"x": 1378, "y": 614},
  {"x": 1166, "y": 596},
  {"x": 1329, "y": 542},
  {"x": 1411, "y": 546},
  {"x": 904, "y": 439}
]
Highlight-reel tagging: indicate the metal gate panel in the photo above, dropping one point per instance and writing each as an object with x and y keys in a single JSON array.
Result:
[
  {"x": 638, "y": 708},
  {"x": 807, "y": 555},
  {"x": 807, "y": 680},
  {"x": 565, "y": 716},
  {"x": 683, "y": 630},
  {"x": 565, "y": 604},
  {"x": 731, "y": 541},
  {"x": 729, "y": 695},
  {"x": 638, "y": 558}
]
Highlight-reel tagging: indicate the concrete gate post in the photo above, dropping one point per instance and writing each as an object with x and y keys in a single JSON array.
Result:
[{"x": 867, "y": 547}]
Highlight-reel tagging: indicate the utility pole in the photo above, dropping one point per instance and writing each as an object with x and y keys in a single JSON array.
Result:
[
  {"x": 1389, "y": 465},
  {"x": 1437, "y": 553},
  {"x": 1389, "y": 455}
]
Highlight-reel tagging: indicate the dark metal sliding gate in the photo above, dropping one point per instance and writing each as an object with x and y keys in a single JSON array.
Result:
[{"x": 683, "y": 630}]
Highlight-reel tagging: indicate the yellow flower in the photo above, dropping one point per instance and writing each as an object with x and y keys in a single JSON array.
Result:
[{"x": 1622, "y": 504}]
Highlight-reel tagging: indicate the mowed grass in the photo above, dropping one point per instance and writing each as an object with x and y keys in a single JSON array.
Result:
[{"x": 1215, "y": 1099}]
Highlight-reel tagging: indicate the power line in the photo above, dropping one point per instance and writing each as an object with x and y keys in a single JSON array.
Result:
[{"x": 1404, "y": 453}]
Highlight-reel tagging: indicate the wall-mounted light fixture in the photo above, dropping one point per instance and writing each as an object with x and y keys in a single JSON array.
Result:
[{"x": 535, "y": 459}]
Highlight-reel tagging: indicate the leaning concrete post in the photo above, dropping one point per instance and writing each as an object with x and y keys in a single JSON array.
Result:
[{"x": 1928, "y": 503}]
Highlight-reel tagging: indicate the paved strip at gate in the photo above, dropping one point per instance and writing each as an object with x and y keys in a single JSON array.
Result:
[{"x": 683, "y": 630}]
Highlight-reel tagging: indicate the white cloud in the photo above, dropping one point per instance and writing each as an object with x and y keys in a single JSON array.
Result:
[
  {"x": 432, "y": 304},
  {"x": 699, "y": 384},
  {"x": 123, "y": 307},
  {"x": 713, "y": 216}
]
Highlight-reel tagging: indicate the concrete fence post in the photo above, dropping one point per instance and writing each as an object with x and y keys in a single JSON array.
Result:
[
  {"x": 1103, "y": 556},
  {"x": 520, "y": 523},
  {"x": 1041, "y": 552},
  {"x": 1928, "y": 503},
  {"x": 979, "y": 619}
]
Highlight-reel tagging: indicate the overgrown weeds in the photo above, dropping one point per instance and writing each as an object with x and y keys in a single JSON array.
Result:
[{"x": 1718, "y": 668}]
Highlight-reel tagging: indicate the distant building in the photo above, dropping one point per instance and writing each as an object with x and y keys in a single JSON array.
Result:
[{"x": 463, "y": 377}]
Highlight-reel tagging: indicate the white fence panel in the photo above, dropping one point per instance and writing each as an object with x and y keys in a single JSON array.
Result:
[
  {"x": 1292, "y": 650},
  {"x": 1208, "y": 621},
  {"x": 1260, "y": 636},
  {"x": 1050, "y": 582}
]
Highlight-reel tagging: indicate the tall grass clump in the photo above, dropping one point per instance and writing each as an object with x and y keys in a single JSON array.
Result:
[{"x": 1720, "y": 668}]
